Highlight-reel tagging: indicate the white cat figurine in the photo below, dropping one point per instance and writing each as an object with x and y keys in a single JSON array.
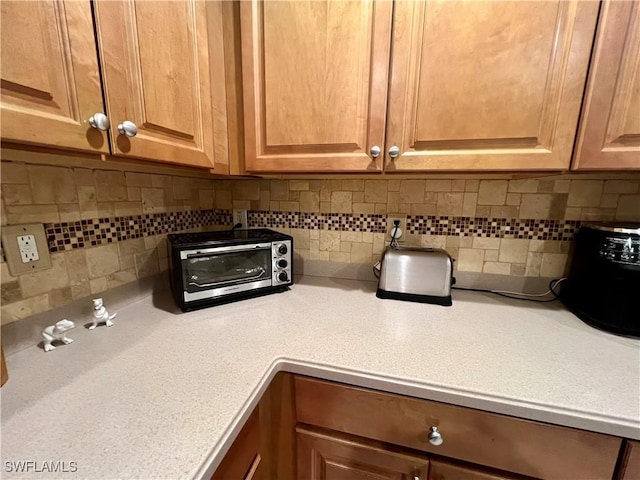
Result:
[
  {"x": 57, "y": 332},
  {"x": 100, "y": 314}
]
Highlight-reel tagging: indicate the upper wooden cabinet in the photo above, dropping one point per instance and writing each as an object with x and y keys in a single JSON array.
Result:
[
  {"x": 487, "y": 85},
  {"x": 162, "y": 71},
  {"x": 473, "y": 85},
  {"x": 156, "y": 69},
  {"x": 609, "y": 137},
  {"x": 315, "y": 84},
  {"x": 50, "y": 82}
]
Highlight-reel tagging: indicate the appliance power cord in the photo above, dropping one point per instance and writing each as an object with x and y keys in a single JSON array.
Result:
[{"x": 530, "y": 297}]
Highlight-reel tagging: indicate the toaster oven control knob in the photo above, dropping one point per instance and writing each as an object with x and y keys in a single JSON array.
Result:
[
  {"x": 435, "y": 437},
  {"x": 282, "y": 263},
  {"x": 283, "y": 277},
  {"x": 282, "y": 249}
]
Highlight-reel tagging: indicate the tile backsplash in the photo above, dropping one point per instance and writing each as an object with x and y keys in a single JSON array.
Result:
[{"x": 106, "y": 228}]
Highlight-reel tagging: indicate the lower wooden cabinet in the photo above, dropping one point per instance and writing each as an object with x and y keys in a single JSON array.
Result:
[
  {"x": 630, "y": 465},
  {"x": 328, "y": 456},
  {"x": 243, "y": 460}
]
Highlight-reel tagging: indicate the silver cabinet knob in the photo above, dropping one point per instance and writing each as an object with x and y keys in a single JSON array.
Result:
[
  {"x": 394, "y": 151},
  {"x": 128, "y": 128},
  {"x": 435, "y": 437},
  {"x": 375, "y": 151},
  {"x": 100, "y": 121}
]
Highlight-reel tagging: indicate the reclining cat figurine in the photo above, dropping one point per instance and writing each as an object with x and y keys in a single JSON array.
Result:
[
  {"x": 57, "y": 332},
  {"x": 100, "y": 314}
]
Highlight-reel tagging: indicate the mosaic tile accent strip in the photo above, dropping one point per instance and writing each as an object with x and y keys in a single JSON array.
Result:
[
  {"x": 99, "y": 231},
  {"x": 87, "y": 233}
]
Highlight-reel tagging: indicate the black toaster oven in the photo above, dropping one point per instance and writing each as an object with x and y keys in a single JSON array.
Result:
[{"x": 207, "y": 268}]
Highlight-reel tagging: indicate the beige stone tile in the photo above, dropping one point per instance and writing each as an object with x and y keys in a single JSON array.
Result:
[
  {"x": 24, "y": 308},
  {"x": 504, "y": 212},
  {"x": 110, "y": 186},
  {"x": 121, "y": 278},
  {"x": 290, "y": 206},
  {"x": 628, "y": 208},
  {"x": 393, "y": 202},
  {"x": 134, "y": 194},
  {"x": 52, "y": 185},
  {"x": 3, "y": 213},
  {"x": 544, "y": 246},
  {"x": 561, "y": 186},
  {"x": 17, "y": 214},
  {"x": 457, "y": 185},
  {"x": 146, "y": 263},
  {"x": 300, "y": 185},
  {"x": 80, "y": 291},
  {"x": 486, "y": 243},
  {"x": 469, "y": 202},
  {"x": 5, "y": 276},
  {"x": 14, "y": 173},
  {"x": 532, "y": 266},
  {"x": 294, "y": 195},
  {"x": 438, "y": 185},
  {"x": 134, "y": 245},
  {"x": 404, "y": 208},
  {"x": 381, "y": 208},
  {"x": 325, "y": 191},
  {"x": 246, "y": 205},
  {"x": 621, "y": 186},
  {"x": 324, "y": 256},
  {"x": 379, "y": 243},
  {"x": 314, "y": 234},
  {"x": 375, "y": 191},
  {"x": 497, "y": 267},
  {"x": 60, "y": 296},
  {"x": 472, "y": 185},
  {"x": 491, "y": 255},
  {"x": 127, "y": 262},
  {"x": 412, "y": 191},
  {"x": 248, "y": 190},
  {"x": 361, "y": 252},
  {"x": 433, "y": 241},
  {"x": 223, "y": 200},
  {"x": 470, "y": 260},
  {"x": 105, "y": 209},
  {"x": 265, "y": 199},
  {"x": 301, "y": 238},
  {"x": 77, "y": 266},
  {"x": 84, "y": 177},
  {"x": 358, "y": 197},
  {"x": 514, "y": 199},
  {"x": 314, "y": 185},
  {"x": 181, "y": 188},
  {"x": 352, "y": 185},
  {"x": 526, "y": 185},
  {"x": 98, "y": 285},
  {"x": 518, "y": 269},
  {"x": 153, "y": 200},
  {"x": 535, "y": 205},
  {"x": 367, "y": 237},
  {"x": 87, "y": 202},
  {"x": 43, "y": 281},
  {"x": 431, "y": 197},
  {"x": 329, "y": 240},
  {"x": 309, "y": 201},
  {"x": 492, "y": 192},
  {"x": 597, "y": 213},
  {"x": 450, "y": 204},
  {"x": 342, "y": 257},
  {"x": 325, "y": 207},
  {"x": 128, "y": 208},
  {"x": 453, "y": 241},
  {"x": 363, "y": 208},
  {"x": 609, "y": 200},
  {"x": 393, "y": 185},
  {"x": 161, "y": 181},
  {"x": 103, "y": 260},
  {"x": 133, "y": 179},
  {"x": 345, "y": 246},
  {"x": 10, "y": 292},
  {"x": 483, "y": 211},
  {"x": 513, "y": 250},
  {"x": 585, "y": 193},
  {"x": 163, "y": 264},
  {"x": 205, "y": 198},
  {"x": 279, "y": 190},
  {"x": 351, "y": 236},
  {"x": 553, "y": 264},
  {"x": 466, "y": 242},
  {"x": 341, "y": 202},
  {"x": 546, "y": 186},
  {"x": 15, "y": 194},
  {"x": 423, "y": 209},
  {"x": 572, "y": 213}
]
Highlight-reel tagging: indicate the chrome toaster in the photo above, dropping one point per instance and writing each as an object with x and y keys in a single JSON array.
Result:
[{"x": 416, "y": 274}]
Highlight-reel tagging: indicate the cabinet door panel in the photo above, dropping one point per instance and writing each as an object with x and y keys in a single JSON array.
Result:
[
  {"x": 315, "y": 83},
  {"x": 610, "y": 129},
  {"x": 323, "y": 456},
  {"x": 487, "y": 85},
  {"x": 50, "y": 82},
  {"x": 449, "y": 471},
  {"x": 155, "y": 61}
]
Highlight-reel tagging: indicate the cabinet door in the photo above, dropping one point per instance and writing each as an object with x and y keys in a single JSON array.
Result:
[
  {"x": 449, "y": 471},
  {"x": 156, "y": 74},
  {"x": 487, "y": 85},
  {"x": 50, "y": 82},
  {"x": 630, "y": 465},
  {"x": 315, "y": 84},
  {"x": 242, "y": 461},
  {"x": 610, "y": 130},
  {"x": 323, "y": 456}
]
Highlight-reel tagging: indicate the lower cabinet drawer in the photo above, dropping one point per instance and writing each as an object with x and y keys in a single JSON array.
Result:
[{"x": 506, "y": 443}]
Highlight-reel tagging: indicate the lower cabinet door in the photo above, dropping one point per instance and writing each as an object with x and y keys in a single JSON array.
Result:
[
  {"x": 449, "y": 471},
  {"x": 329, "y": 456},
  {"x": 242, "y": 461}
]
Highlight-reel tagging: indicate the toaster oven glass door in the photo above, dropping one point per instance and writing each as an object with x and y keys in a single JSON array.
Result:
[{"x": 224, "y": 269}]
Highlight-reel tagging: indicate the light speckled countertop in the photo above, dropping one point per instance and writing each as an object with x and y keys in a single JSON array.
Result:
[{"x": 162, "y": 394}]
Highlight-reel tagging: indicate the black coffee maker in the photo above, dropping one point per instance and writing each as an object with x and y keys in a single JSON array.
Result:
[{"x": 603, "y": 287}]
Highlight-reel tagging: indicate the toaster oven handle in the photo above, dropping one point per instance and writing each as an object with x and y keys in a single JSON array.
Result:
[{"x": 206, "y": 252}]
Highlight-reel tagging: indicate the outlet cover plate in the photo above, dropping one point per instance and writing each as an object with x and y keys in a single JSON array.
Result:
[
  {"x": 403, "y": 225},
  {"x": 12, "y": 252}
]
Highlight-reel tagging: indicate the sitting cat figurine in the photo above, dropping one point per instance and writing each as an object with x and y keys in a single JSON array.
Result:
[
  {"x": 100, "y": 314},
  {"x": 57, "y": 332}
]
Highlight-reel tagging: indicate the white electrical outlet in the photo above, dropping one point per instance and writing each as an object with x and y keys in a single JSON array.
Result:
[
  {"x": 399, "y": 233},
  {"x": 240, "y": 217},
  {"x": 28, "y": 248}
]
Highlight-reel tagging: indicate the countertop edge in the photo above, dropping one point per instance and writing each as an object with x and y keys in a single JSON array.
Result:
[{"x": 563, "y": 417}]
